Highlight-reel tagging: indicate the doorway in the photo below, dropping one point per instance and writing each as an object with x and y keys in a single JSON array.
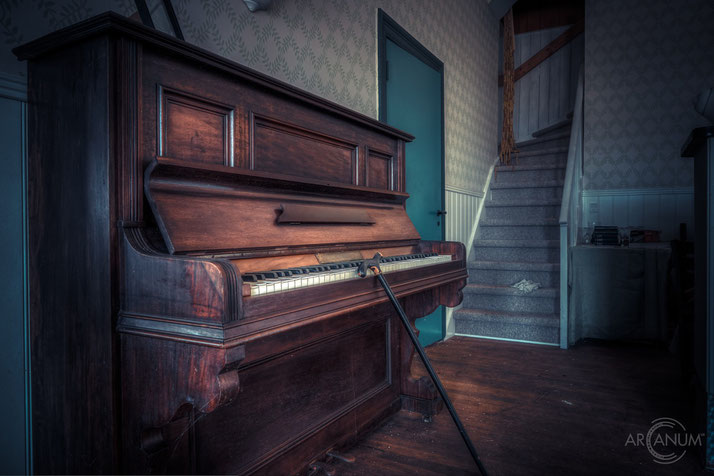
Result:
[{"x": 411, "y": 98}]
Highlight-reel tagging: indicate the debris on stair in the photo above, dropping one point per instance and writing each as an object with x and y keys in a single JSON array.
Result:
[{"x": 526, "y": 285}]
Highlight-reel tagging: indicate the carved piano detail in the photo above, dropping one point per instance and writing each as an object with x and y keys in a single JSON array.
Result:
[{"x": 236, "y": 211}]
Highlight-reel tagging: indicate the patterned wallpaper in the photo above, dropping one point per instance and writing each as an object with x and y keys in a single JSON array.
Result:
[
  {"x": 327, "y": 47},
  {"x": 644, "y": 64}
]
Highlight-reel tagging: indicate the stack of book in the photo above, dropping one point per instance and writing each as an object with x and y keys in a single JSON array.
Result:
[{"x": 606, "y": 235}]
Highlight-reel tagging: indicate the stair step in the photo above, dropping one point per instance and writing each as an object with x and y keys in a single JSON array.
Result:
[
  {"x": 507, "y": 299},
  {"x": 541, "y": 202},
  {"x": 528, "y": 221},
  {"x": 509, "y": 265},
  {"x": 541, "y": 184},
  {"x": 564, "y": 124},
  {"x": 524, "y": 192},
  {"x": 519, "y": 243},
  {"x": 541, "y": 152},
  {"x": 560, "y": 139},
  {"x": 546, "y": 276},
  {"x": 517, "y": 232},
  {"x": 522, "y": 326},
  {"x": 525, "y": 167},
  {"x": 547, "y": 251},
  {"x": 528, "y": 173},
  {"x": 559, "y": 159},
  {"x": 523, "y": 212}
]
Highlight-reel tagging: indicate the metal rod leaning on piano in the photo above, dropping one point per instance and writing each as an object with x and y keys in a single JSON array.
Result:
[{"x": 373, "y": 264}]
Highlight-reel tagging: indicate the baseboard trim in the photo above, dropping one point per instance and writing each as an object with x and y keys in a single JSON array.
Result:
[
  {"x": 505, "y": 339},
  {"x": 637, "y": 191}
]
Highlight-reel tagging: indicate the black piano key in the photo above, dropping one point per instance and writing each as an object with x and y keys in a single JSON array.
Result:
[{"x": 282, "y": 273}]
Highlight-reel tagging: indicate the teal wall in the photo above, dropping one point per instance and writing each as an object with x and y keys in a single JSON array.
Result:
[
  {"x": 13, "y": 436},
  {"x": 710, "y": 433}
]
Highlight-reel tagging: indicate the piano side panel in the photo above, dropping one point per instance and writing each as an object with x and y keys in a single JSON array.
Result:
[
  {"x": 204, "y": 101},
  {"x": 71, "y": 260},
  {"x": 170, "y": 288}
]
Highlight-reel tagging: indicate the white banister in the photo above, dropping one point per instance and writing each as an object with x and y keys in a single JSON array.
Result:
[{"x": 570, "y": 206}]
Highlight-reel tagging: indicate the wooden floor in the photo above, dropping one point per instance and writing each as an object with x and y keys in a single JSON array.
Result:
[{"x": 534, "y": 410}]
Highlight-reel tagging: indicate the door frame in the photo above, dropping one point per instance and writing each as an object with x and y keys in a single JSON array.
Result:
[{"x": 388, "y": 29}]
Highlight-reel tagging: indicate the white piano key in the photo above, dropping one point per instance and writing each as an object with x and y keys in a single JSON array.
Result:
[{"x": 289, "y": 283}]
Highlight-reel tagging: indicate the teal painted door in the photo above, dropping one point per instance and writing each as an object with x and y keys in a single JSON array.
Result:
[{"x": 414, "y": 105}]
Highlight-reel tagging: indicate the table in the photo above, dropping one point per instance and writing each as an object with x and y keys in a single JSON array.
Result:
[{"x": 618, "y": 292}]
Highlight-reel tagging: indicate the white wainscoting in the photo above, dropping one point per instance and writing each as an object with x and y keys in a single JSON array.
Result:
[
  {"x": 463, "y": 208},
  {"x": 461, "y": 212},
  {"x": 651, "y": 208}
]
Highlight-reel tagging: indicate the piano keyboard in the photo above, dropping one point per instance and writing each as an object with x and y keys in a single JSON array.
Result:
[{"x": 269, "y": 282}]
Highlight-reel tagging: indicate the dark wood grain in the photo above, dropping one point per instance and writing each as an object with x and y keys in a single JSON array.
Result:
[
  {"x": 285, "y": 148},
  {"x": 194, "y": 215},
  {"x": 278, "y": 133},
  {"x": 380, "y": 170},
  {"x": 535, "y": 410},
  {"x": 193, "y": 128},
  {"x": 71, "y": 262}
]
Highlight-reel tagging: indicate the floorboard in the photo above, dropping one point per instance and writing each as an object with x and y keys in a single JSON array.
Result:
[{"x": 534, "y": 410}]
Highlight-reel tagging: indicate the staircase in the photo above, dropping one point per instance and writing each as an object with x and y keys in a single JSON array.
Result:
[{"x": 518, "y": 238}]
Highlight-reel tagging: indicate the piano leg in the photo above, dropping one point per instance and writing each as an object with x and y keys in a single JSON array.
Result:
[{"x": 418, "y": 394}]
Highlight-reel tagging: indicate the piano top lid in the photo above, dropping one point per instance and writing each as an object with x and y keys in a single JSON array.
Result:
[
  {"x": 111, "y": 22},
  {"x": 214, "y": 209}
]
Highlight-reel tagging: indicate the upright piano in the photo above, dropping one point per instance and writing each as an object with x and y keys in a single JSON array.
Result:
[{"x": 195, "y": 232}]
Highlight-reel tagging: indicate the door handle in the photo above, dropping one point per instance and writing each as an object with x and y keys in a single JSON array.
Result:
[{"x": 440, "y": 212}]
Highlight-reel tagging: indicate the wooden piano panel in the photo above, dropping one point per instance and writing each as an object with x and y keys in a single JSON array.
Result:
[
  {"x": 380, "y": 170},
  {"x": 193, "y": 128},
  {"x": 309, "y": 388},
  {"x": 192, "y": 228},
  {"x": 212, "y": 209},
  {"x": 284, "y": 148},
  {"x": 305, "y": 141}
]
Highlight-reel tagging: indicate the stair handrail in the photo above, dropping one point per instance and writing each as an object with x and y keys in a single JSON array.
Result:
[{"x": 570, "y": 205}]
